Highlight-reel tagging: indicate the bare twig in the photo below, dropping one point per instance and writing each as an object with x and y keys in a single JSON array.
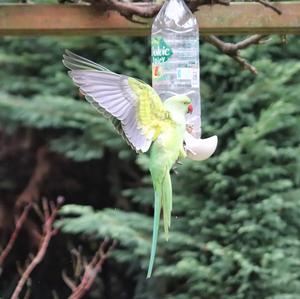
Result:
[
  {"x": 232, "y": 49},
  {"x": 91, "y": 270},
  {"x": 48, "y": 231},
  {"x": 68, "y": 281},
  {"x": 270, "y": 5},
  {"x": 79, "y": 263},
  {"x": 27, "y": 294},
  {"x": 245, "y": 64},
  {"x": 18, "y": 225}
]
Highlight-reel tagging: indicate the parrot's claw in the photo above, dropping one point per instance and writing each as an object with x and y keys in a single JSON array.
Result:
[
  {"x": 187, "y": 149},
  {"x": 174, "y": 170}
]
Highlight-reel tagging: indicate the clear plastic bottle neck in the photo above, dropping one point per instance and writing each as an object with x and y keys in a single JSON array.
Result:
[{"x": 175, "y": 16}]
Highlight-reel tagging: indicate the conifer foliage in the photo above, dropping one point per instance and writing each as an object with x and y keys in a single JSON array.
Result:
[{"x": 236, "y": 218}]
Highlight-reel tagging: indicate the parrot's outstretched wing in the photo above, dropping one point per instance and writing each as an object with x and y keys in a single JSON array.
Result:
[{"x": 135, "y": 108}]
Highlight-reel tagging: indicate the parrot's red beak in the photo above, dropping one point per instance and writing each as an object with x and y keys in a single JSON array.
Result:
[{"x": 190, "y": 108}]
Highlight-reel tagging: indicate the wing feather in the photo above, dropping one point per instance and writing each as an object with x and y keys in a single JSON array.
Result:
[
  {"x": 82, "y": 63},
  {"x": 134, "y": 107}
]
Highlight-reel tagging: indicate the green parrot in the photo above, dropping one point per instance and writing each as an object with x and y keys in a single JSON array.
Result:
[{"x": 143, "y": 120}]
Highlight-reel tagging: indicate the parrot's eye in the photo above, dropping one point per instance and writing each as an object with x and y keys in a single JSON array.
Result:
[{"x": 186, "y": 102}]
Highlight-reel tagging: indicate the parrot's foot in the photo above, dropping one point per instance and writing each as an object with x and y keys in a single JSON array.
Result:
[{"x": 187, "y": 149}]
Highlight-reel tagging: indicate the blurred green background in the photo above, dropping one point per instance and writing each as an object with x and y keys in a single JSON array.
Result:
[{"x": 236, "y": 218}]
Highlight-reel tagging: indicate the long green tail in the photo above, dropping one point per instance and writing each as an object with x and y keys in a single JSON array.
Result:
[
  {"x": 163, "y": 198},
  {"x": 167, "y": 203},
  {"x": 157, "y": 207}
]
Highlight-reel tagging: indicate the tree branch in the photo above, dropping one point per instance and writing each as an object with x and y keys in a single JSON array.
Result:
[
  {"x": 194, "y": 4},
  {"x": 18, "y": 225},
  {"x": 146, "y": 10},
  {"x": 270, "y": 5},
  {"x": 232, "y": 49},
  {"x": 68, "y": 281},
  {"x": 91, "y": 270},
  {"x": 128, "y": 10},
  {"x": 50, "y": 213}
]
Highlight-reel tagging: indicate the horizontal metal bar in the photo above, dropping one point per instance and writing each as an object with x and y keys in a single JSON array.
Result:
[{"x": 78, "y": 19}]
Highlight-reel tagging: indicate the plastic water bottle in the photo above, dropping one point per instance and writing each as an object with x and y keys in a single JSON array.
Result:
[{"x": 175, "y": 57}]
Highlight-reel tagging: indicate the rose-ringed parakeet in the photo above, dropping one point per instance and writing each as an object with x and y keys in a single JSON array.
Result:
[{"x": 143, "y": 120}]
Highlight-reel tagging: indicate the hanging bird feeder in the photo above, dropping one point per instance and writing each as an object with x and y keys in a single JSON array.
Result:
[{"x": 176, "y": 69}]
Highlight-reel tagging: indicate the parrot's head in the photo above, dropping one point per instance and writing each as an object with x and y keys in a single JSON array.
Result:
[{"x": 180, "y": 104}]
